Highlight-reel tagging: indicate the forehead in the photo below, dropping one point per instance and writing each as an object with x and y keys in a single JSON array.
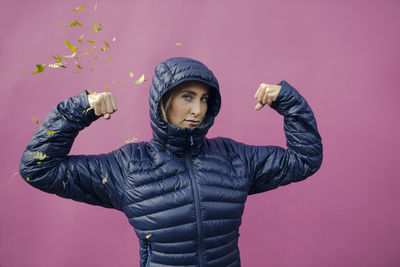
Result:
[{"x": 192, "y": 86}]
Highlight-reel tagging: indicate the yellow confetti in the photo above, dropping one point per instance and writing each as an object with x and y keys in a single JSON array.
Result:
[
  {"x": 90, "y": 91},
  {"x": 58, "y": 58},
  {"x": 37, "y": 121},
  {"x": 103, "y": 49},
  {"x": 178, "y": 43},
  {"x": 97, "y": 28},
  {"x": 92, "y": 48},
  {"x": 104, "y": 180},
  {"x": 75, "y": 72},
  {"x": 73, "y": 24},
  {"x": 131, "y": 73},
  {"x": 148, "y": 236},
  {"x": 110, "y": 59},
  {"x": 39, "y": 68},
  {"x": 39, "y": 162},
  {"x": 24, "y": 73},
  {"x": 39, "y": 155},
  {"x": 91, "y": 69},
  {"x": 79, "y": 66},
  {"x": 80, "y": 38},
  {"x": 50, "y": 132},
  {"x": 106, "y": 44},
  {"x": 12, "y": 176},
  {"x": 63, "y": 117},
  {"x": 27, "y": 178},
  {"x": 95, "y": 57},
  {"x": 114, "y": 39},
  {"x": 63, "y": 184},
  {"x": 140, "y": 80},
  {"x": 107, "y": 87},
  {"x": 34, "y": 118},
  {"x": 79, "y": 8},
  {"x": 91, "y": 41},
  {"x": 95, "y": 6},
  {"x": 122, "y": 80}
]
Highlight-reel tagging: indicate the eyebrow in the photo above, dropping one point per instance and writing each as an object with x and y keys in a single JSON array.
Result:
[{"x": 191, "y": 92}]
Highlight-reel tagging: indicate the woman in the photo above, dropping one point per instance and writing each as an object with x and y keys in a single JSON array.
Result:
[{"x": 184, "y": 194}]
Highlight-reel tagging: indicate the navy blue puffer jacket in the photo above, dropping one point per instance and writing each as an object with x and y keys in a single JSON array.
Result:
[{"x": 183, "y": 193}]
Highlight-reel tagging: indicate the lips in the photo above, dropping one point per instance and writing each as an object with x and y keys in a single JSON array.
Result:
[{"x": 193, "y": 122}]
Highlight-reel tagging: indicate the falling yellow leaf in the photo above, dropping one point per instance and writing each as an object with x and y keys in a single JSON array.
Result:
[
  {"x": 140, "y": 80},
  {"x": 104, "y": 180},
  {"x": 95, "y": 57},
  {"x": 130, "y": 140},
  {"x": 27, "y": 178},
  {"x": 63, "y": 117},
  {"x": 37, "y": 121},
  {"x": 63, "y": 184},
  {"x": 97, "y": 28},
  {"x": 79, "y": 66},
  {"x": 79, "y": 8},
  {"x": 103, "y": 49},
  {"x": 92, "y": 48},
  {"x": 75, "y": 72},
  {"x": 131, "y": 73},
  {"x": 50, "y": 132},
  {"x": 12, "y": 176},
  {"x": 91, "y": 41},
  {"x": 95, "y": 6},
  {"x": 110, "y": 59},
  {"x": 80, "y": 38},
  {"x": 71, "y": 56},
  {"x": 73, "y": 24},
  {"x": 122, "y": 80},
  {"x": 114, "y": 39},
  {"x": 34, "y": 118},
  {"x": 24, "y": 73},
  {"x": 39, "y": 68},
  {"x": 56, "y": 65},
  {"x": 39, "y": 162},
  {"x": 178, "y": 43},
  {"x": 106, "y": 44},
  {"x": 86, "y": 110},
  {"x": 71, "y": 47},
  {"x": 107, "y": 87},
  {"x": 91, "y": 69},
  {"x": 38, "y": 155}
]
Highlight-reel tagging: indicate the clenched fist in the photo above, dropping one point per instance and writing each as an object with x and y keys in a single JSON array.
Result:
[
  {"x": 103, "y": 104},
  {"x": 266, "y": 94}
]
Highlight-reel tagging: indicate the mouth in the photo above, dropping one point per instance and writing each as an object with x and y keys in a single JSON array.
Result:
[{"x": 193, "y": 122}]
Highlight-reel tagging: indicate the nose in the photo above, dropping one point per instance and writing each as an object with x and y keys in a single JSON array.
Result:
[{"x": 196, "y": 108}]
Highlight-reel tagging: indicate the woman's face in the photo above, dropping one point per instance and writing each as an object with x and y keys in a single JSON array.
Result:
[{"x": 188, "y": 106}]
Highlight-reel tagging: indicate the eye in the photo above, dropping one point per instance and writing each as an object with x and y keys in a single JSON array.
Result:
[
  {"x": 187, "y": 97},
  {"x": 204, "y": 99}
]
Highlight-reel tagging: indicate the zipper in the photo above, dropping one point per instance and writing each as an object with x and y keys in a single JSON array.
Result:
[
  {"x": 197, "y": 209},
  {"x": 148, "y": 250}
]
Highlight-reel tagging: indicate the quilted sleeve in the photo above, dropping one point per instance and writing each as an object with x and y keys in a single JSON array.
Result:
[
  {"x": 273, "y": 166},
  {"x": 96, "y": 179}
]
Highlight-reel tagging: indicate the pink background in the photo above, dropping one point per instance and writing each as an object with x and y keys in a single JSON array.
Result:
[{"x": 342, "y": 56}]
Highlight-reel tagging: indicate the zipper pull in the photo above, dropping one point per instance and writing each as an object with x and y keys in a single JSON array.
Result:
[
  {"x": 148, "y": 250},
  {"x": 191, "y": 140}
]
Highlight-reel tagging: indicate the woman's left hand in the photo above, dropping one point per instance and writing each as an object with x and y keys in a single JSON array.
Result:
[{"x": 266, "y": 94}]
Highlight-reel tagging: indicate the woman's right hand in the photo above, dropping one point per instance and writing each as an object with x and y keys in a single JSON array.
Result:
[{"x": 103, "y": 104}]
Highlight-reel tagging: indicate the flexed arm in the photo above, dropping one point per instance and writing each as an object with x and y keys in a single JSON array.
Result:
[
  {"x": 96, "y": 180},
  {"x": 273, "y": 166}
]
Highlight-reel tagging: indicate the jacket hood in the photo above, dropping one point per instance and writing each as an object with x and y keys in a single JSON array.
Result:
[{"x": 168, "y": 74}]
